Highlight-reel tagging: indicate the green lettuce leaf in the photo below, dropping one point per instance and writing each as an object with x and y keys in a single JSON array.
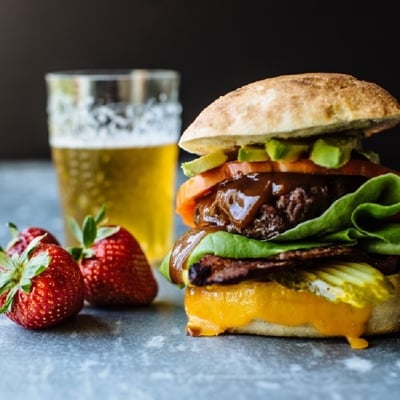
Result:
[
  {"x": 164, "y": 267},
  {"x": 224, "y": 244},
  {"x": 359, "y": 217}
]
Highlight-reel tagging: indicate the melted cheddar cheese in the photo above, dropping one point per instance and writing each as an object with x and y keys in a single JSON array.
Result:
[{"x": 213, "y": 310}]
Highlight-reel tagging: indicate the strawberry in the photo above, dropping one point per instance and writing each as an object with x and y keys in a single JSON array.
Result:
[
  {"x": 114, "y": 267},
  {"x": 21, "y": 239},
  {"x": 40, "y": 287}
]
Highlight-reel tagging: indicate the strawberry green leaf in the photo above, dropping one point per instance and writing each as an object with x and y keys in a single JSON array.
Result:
[
  {"x": 9, "y": 299},
  {"x": 87, "y": 253},
  {"x": 8, "y": 271},
  {"x": 101, "y": 214},
  {"x": 17, "y": 271},
  {"x": 14, "y": 234},
  {"x": 13, "y": 229},
  {"x": 89, "y": 231},
  {"x": 26, "y": 286},
  {"x": 31, "y": 246},
  {"x": 106, "y": 231},
  {"x": 6, "y": 281},
  {"x": 33, "y": 267},
  {"x": 75, "y": 229},
  {"x": 76, "y": 252},
  {"x": 6, "y": 261}
]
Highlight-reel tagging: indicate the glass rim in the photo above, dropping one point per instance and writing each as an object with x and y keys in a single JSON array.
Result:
[{"x": 113, "y": 74}]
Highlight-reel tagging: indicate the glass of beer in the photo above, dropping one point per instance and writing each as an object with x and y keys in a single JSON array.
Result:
[{"x": 113, "y": 138}]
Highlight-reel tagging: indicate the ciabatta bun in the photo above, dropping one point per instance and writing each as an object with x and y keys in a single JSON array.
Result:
[{"x": 291, "y": 106}]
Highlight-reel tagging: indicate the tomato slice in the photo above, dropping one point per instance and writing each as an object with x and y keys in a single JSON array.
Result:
[{"x": 201, "y": 184}]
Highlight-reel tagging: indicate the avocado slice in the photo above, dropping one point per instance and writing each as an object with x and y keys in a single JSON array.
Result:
[
  {"x": 204, "y": 163},
  {"x": 285, "y": 150},
  {"x": 334, "y": 152},
  {"x": 252, "y": 153}
]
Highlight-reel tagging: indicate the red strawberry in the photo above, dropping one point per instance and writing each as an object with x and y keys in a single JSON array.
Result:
[
  {"x": 113, "y": 265},
  {"x": 21, "y": 239},
  {"x": 41, "y": 287}
]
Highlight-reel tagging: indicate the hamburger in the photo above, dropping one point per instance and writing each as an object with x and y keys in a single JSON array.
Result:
[{"x": 293, "y": 225}]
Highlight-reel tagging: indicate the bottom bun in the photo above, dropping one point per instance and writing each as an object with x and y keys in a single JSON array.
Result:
[{"x": 385, "y": 319}]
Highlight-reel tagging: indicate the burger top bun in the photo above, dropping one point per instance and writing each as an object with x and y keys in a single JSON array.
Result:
[{"x": 291, "y": 106}]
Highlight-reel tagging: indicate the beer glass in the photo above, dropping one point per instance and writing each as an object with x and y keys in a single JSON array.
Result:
[{"x": 113, "y": 138}]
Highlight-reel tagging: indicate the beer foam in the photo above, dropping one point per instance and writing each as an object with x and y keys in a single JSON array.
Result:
[
  {"x": 128, "y": 140},
  {"x": 115, "y": 125}
]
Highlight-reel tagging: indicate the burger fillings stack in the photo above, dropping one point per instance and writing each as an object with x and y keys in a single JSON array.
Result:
[{"x": 294, "y": 225}]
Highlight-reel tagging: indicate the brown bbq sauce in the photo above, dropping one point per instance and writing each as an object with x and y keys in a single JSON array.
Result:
[{"x": 181, "y": 251}]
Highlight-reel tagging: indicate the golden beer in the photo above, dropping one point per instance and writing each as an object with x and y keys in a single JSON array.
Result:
[
  {"x": 113, "y": 138},
  {"x": 137, "y": 184}
]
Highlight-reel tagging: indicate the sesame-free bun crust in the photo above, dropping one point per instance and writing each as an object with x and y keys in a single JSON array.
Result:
[
  {"x": 291, "y": 106},
  {"x": 385, "y": 319}
]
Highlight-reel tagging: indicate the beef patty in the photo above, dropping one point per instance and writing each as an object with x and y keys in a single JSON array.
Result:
[{"x": 262, "y": 205}]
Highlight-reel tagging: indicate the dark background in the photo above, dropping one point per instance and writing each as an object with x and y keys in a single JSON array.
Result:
[{"x": 216, "y": 45}]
